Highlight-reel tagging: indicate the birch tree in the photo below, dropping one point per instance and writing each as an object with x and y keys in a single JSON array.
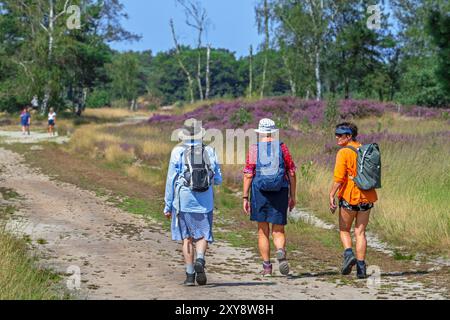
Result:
[
  {"x": 197, "y": 18},
  {"x": 181, "y": 63},
  {"x": 263, "y": 18}
]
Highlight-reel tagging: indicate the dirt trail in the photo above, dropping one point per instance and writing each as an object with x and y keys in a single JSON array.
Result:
[{"x": 128, "y": 257}]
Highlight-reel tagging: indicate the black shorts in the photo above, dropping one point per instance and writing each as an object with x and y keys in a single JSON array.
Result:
[{"x": 362, "y": 207}]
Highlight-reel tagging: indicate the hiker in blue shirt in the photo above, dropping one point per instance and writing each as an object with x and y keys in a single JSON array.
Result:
[
  {"x": 189, "y": 199},
  {"x": 25, "y": 121}
]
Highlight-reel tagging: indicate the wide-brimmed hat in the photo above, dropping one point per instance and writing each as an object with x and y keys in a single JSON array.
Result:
[
  {"x": 267, "y": 126},
  {"x": 192, "y": 130}
]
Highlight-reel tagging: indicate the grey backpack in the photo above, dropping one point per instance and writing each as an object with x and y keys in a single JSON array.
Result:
[
  {"x": 368, "y": 175},
  {"x": 198, "y": 174}
]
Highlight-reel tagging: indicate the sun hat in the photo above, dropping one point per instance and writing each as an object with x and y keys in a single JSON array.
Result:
[
  {"x": 267, "y": 126},
  {"x": 192, "y": 130}
]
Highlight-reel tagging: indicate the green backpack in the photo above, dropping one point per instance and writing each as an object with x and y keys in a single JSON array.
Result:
[{"x": 368, "y": 175}]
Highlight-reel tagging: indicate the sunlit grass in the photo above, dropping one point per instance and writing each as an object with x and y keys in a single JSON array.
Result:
[
  {"x": 115, "y": 113},
  {"x": 19, "y": 277}
]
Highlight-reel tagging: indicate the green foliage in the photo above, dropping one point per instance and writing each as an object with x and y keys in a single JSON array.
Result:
[
  {"x": 439, "y": 28},
  {"x": 331, "y": 112},
  {"x": 241, "y": 117},
  {"x": 98, "y": 98}
]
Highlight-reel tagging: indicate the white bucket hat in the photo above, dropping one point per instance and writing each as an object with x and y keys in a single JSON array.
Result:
[
  {"x": 192, "y": 130},
  {"x": 267, "y": 126}
]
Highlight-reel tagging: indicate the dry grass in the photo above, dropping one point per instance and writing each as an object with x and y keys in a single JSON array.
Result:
[{"x": 114, "y": 113}]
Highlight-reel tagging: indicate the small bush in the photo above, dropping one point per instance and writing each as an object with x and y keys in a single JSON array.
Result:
[
  {"x": 98, "y": 99},
  {"x": 178, "y": 104},
  {"x": 241, "y": 117}
]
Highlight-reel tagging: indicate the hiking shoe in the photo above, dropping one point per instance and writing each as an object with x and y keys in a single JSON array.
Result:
[
  {"x": 190, "y": 280},
  {"x": 349, "y": 263},
  {"x": 282, "y": 262},
  {"x": 361, "y": 270},
  {"x": 200, "y": 270},
  {"x": 267, "y": 270}
]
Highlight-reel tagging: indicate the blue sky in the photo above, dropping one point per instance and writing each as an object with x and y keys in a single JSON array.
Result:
[{"x": 232, "y": 26}]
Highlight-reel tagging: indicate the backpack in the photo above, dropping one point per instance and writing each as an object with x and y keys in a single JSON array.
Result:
[
  {"x": 198, "y": 175},
  {"x": 270, "y": 177},
  {"x": 368, "y": 175}
]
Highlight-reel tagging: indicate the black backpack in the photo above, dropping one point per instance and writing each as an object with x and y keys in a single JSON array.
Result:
[{"x": 198, "y": 175}]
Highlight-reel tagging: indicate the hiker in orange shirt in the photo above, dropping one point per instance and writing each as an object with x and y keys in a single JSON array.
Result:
[{"x": 354, "y": 204}]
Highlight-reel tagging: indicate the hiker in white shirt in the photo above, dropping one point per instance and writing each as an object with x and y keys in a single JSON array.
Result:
[{"x": 51, "y": 122}]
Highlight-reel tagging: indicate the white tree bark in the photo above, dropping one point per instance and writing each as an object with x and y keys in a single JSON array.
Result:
[
  {"x": 290, "y": 75},
  {"x": 250, "y": 76},
  {"x": 266, "y": 47},
  {"x": 318, "y": 75},
  {"x": 208, "y": 72}
]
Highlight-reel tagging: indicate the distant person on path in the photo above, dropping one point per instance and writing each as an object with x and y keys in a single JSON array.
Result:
[
  {"x": 35, "y": 103},
  {"x": 25, "y": 121},
  {"x": 51, "y": 122},
  {"x": 354, "y": 204},
  {"x": 189, "y": 198},
  {"x": 269, "y": 192}
]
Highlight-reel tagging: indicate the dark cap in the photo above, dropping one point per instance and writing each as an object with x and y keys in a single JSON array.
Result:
[{"x": 344, "y": 130}]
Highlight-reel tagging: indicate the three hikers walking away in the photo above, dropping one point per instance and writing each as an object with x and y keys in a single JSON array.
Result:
[
  {"x": 356, "y": 176},
  {"x": 189, "y": 200},
  {"x": 269, "y": 192}
]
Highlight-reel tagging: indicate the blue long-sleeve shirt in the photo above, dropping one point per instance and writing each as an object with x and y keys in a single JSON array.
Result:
[{"x": 178, "y": 194}]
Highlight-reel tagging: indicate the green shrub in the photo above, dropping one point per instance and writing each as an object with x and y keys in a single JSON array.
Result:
[
  {"x": 98, "y": 99},
  {"x": 241, "y": 117}
]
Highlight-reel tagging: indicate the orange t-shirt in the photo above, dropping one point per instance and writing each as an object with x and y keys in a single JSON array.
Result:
[{"x": 346, "y": 168}]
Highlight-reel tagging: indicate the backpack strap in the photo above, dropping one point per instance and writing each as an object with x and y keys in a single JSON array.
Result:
[
  {"x": 356, "y": 151},
  {"x": 351, "y": 148}
]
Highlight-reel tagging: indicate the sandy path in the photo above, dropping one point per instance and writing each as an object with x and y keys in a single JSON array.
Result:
[{"x": 127, "y": 257}]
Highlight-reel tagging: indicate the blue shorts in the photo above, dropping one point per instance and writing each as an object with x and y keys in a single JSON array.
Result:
[{"x": 51, "y": 123}]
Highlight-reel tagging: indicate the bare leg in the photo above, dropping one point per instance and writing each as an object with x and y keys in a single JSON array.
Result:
[
  {"x": 201, "y": 246},
  {"x": 346, "y": 219},
  {"x": 188, "y": 251},
  {"x": 263, "y": 240},
  {"x": 362, "y": 220},
  {"x": 279, "y": 237}
]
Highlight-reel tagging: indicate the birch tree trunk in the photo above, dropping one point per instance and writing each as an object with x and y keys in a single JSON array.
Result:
[
  {"x": 180, "y": 62},
  {"x": 317, "y": 73},
  {"x": 266, "y": 47},
  {"x": 250, "y": 76},
  {"x": 208, "y": 72},
  {"x": 290, "y": 75}
]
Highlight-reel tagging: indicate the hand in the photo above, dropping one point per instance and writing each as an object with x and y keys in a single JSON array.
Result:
[
  {"x": 292, "y": 204},
  {"x": 168, "y": 215},
  {"x": 333, "y": 205},
  {"x": 247, "y": 208}
]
